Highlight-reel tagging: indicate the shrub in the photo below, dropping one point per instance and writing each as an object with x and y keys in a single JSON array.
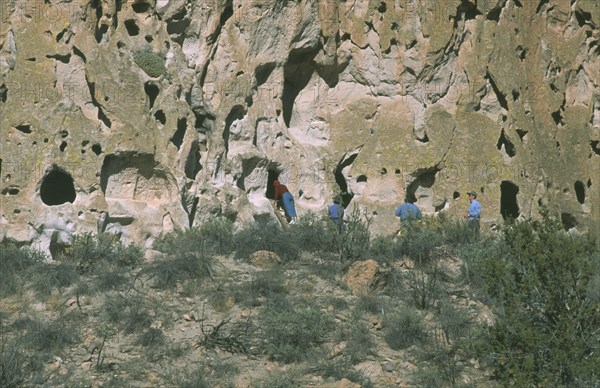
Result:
[
  {"x": 342, "y": 368},
  {"x": 47, "y": 277},
  {"x": 423, "y": 283},
  {"x": 265, "y": 236},
  {"x": 131, "y": 313},
  {"x": 359, "y": 342},
  {"x": 153, "y": 64},
  {"x": 290, "y": 333},
  {"x": 13, "y": 262},
  {"x": 385, "y": 249},
  {"x": 419, "y": 242},
  {"x": 265, "y": 284},
  {"x": 167, "y": 271},
  {"x": 313, "y": 234},
  {"x": 213, "y": 237},
  {"x": 89, "y": 252},
  {"x": 48, "y": 337},
  {"x": 353, "y": 241},
  {"x": 369, "y": 303},
  {"x": 13, "y": 365},
  {"x": 278, "y": 380},
  {"x": 546, "y": 332},
  {"x": 403, "y": 329}
]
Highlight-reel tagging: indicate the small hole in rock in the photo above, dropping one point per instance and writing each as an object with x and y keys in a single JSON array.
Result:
[
  {"x": 160, "y": 117},
  {"x": 132, "y": 28}
]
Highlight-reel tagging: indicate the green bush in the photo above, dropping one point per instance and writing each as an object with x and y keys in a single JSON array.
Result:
[
  {"x": 13, "y": 365},
  {"x": 353, "y": 242},
  {"x": 546, "y": 332},
  {"x": 371, "y": 304},
  {"x": 265, "y": 236},
  {"x": 359, "y": 342},
  {"x": 264, "y": 284},
  {"x": 47, "y": 277},
  {"x": 167, "y": 271},
  {"x": 289, "y": 333},
  {"x": 48, "y": 337},
  {"x": 313, "y": 234},
  {"x": 89, "y": 252},
  {"x": 342, "y": 368},
  {"x": 213, "y": 237},
  {"x": 277, "y": 380},
  {"x": 404, "y": 329},
  {"x": 153, "y": 64},
  {"x": 130, "y": 313},
  {"x": 14, "y": 262},
  {"x": 385, "y": 249},
  {"x": 423, "y": 282}
]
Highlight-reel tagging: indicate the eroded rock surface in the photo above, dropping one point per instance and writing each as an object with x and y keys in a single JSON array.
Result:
[{"x": 143, "y": 116}]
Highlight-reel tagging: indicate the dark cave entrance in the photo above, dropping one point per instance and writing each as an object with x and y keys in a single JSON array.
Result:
[
  {"x": 273, "y": 174},
  {"x": 57, "y": 188},
  {"x": 509, "y": 207}
]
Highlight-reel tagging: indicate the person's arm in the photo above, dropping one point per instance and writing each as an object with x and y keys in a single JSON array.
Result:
[
  {"x": 419, "y": 215},
  {"x": 398, "y": 211}
]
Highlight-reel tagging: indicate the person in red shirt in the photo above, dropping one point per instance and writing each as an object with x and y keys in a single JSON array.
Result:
[{"x": 286, "y": 200}]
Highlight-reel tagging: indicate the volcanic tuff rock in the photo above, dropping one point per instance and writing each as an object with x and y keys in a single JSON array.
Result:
[{"x": 138, "y": 117}]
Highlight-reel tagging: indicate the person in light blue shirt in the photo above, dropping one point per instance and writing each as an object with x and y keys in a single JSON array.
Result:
[
  {"x": 408, "y": 211},
  {"x": 336, "y": 213},
  {"x": 474, "y": 213}
]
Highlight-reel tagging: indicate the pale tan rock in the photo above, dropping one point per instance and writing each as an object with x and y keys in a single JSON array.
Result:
[
  {"x": 264, "y": 259},
  {"x": 376, "y": 100},
  {"x": 362, "y": 276}
]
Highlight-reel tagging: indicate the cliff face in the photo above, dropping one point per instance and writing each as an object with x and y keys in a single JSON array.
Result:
[{"x": 143, "y": 116}]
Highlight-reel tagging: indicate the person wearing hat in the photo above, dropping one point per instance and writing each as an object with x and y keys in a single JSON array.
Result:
[
  {"x": 336, "y": 213},
  {"x": 474, "y": 213},
  {"x": 408, "y": 211}
]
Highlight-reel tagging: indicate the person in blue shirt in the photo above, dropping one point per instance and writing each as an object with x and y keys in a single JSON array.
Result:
[
  {"x": 474, "y": 213},
  {"x": 408, "y": 211},
  {"x": 336, "y": 213}
]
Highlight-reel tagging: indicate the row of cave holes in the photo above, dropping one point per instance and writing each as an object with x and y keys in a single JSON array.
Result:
[
  {"x": 26, "y": 129},
  {"x": 96, "y": 148}
]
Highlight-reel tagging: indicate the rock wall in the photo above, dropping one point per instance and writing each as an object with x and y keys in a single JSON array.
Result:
[{"x": 138, "y": 117}]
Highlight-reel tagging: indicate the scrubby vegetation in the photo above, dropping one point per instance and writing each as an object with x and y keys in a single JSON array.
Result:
[
  {"x": 152, "y": 63},
  {"x": 518, "y": 307}
]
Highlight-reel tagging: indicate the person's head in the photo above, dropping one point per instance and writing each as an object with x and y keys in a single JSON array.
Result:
[
  {"x": 410, "y": 198},
  {"x": 472, "y": 195},
  {"x": 276, "y": 182},
  {"x": 337, "y": 200}
]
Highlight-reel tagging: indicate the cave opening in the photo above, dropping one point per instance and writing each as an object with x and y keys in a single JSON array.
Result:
[
  {"x": 568, "y": 221},
  {"x": 509, "y": 147},
  {"x": 192, "y": 163},
  {"x": 237, "y": 113},
  {"x": 271, "y": 176},
  {"x": 509, "y": 208},
  {"x": 152, "y": 92},
  {"x": 179, "y": 134},
  {"x": 297, "y": 72},
  {"x": 132, "y": 27},
  {"x": 340, "y": 179},
  {"x": 57, "y": 188},
  {"x": 580, "y": 191}
]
